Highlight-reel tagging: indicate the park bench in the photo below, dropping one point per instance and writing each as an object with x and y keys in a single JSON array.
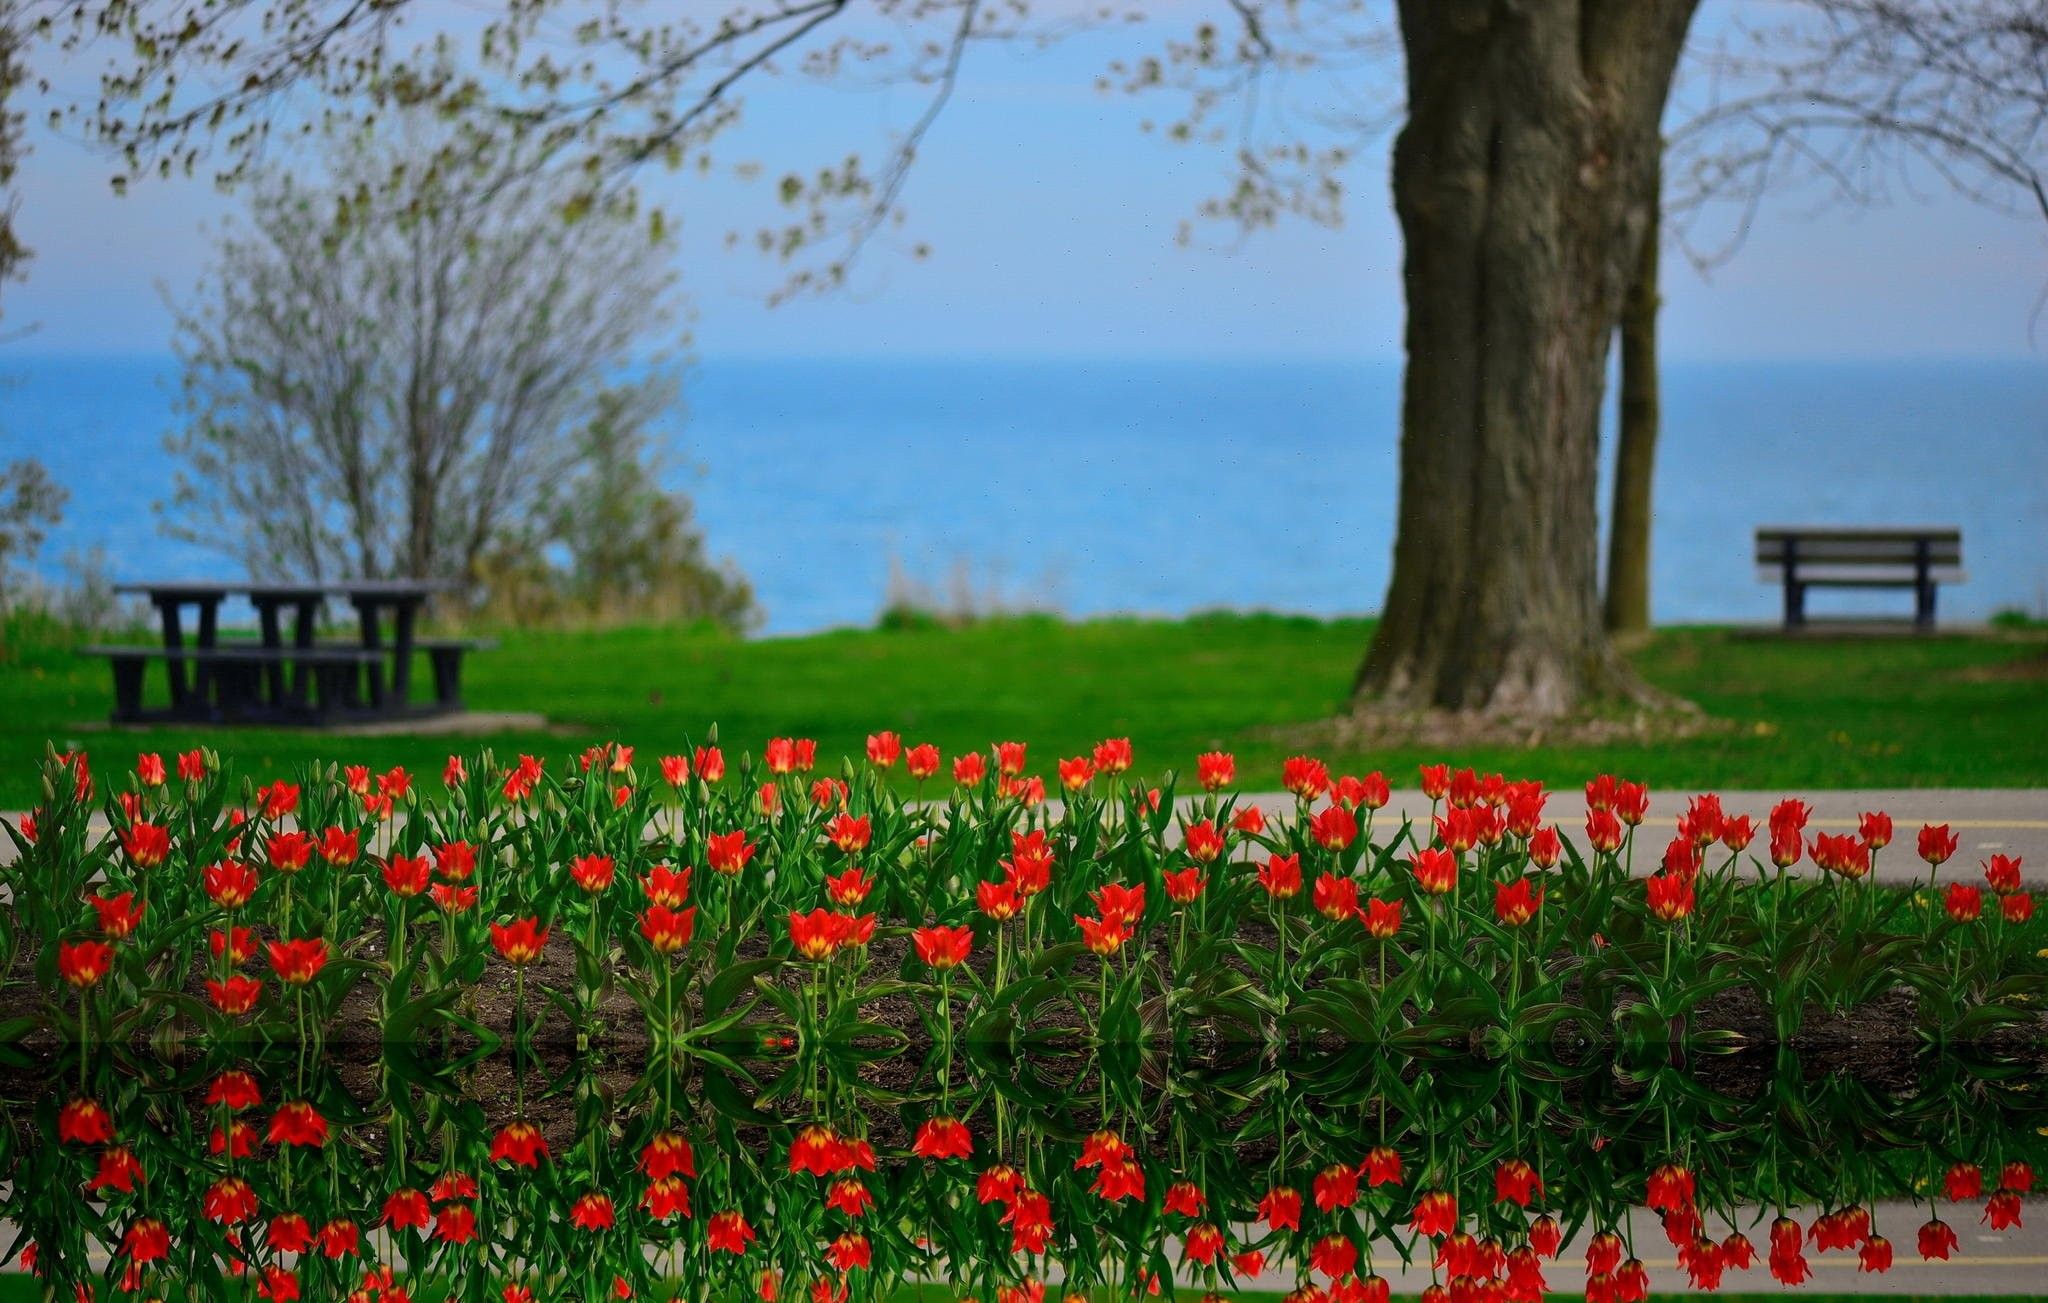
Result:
[{"x": 1825, "y": 556}]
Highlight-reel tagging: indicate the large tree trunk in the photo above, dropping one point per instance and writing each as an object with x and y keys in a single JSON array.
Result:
[
  {"x": 1635, "y": 460},
  {"x": 1519, "y": 179}
]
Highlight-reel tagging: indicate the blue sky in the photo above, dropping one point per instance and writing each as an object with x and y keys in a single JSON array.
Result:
[{"x": 1051, "y": 219}]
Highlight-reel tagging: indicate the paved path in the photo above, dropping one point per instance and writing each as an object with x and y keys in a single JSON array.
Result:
[
  {"x": 1988, "y": 821},
  {"x": 2013, "y": 1262}
]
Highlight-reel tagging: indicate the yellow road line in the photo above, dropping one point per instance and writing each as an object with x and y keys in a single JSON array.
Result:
[{"x": 2016, "y": 1260}]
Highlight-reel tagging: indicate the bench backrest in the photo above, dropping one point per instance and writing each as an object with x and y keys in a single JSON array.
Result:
[{"x": 1829, "y": 546}]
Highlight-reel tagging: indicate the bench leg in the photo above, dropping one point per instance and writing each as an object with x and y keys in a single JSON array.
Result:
[
  {"x": 447, "y": 662},
  {"x": 1923, "y": 605},
  {"x": 1795, "y": 604},
  {"x": 128, "y": 689}
]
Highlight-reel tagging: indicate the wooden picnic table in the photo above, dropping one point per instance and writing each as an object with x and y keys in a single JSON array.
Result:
[{"x": 201, "y": 671}]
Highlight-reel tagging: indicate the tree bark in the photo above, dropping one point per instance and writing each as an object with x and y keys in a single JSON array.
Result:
[
  {"x": 1628, "y": 526},
  {"x": 1519, "y": 180}
]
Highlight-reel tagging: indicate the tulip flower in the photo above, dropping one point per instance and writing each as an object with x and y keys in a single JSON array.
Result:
[
  {"x": 146, "y": 844},
  {"x": 2017, "y": 908},
  {"x": 1937, "y": 1240},
  {"x": 1204, "y": 844},
  {"x": 593, "y": 873},
  {"x": 1334, "y": 828},
  {"x": 1335, "y": 897},
  {"x": 942, "y": 947},
  {"x": 1335, "y": 1187},
  {"x": 1516, "y": 1182},
  {"x": 1304, "y": 776},
  {"x": 298, "y": 962},
  {"x": 1183, "y": 886},
  {"x": 1515, "y": 903},
  {"x": 2003, "y": 873},
  {"x": 1280, "y": 875},
  {"x": 728, "y": 852},
  {"x": 942, "y": 1138},
  {"x": 84, "y": 963},
  {"x": 297, "y": 1123},
  {"x": 1215, "y": 770},
  {"x": 848, "y": 833},
  {"x": 1103, "y": 936},
  {"x": 519, "y": 1143},
  {"x": 1436, "y": 1213},
  {"x": 728, "y": 1232},
  {"x": 1670, "y": 897},
  {"x": 407, "y": 876},
  {"x": 1963, "y": 902},
  {"x": 1436, "y": 871},
  {"x": 1113, "y": 755},
  {"x": 667, "y": 930},
  {"x": 519, "y": 942},
  {"x": 119, "y": 915}
]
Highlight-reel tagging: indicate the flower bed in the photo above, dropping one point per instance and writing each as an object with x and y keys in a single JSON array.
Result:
[
  {"x": 769, "y": 901},
  {"x": 380, "y": 1182}
]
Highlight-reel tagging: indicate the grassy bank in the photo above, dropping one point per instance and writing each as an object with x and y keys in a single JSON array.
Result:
[{"x": 1950, "y": 710}]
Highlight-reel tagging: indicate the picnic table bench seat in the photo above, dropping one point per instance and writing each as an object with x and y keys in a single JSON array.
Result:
[
  {"x": 231, "y": 678},
  {"x": 1825, "y": 556}
]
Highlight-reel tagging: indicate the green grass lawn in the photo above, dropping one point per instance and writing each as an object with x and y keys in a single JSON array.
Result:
[{"x": 1949, "y": 710}]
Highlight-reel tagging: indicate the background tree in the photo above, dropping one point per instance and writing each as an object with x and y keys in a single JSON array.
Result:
[
  {"x": 393, "y": 370},
  {"x": 13, "y": 72},
  {"x": 1525, "y": 179},
  {"x": 1859, "y": 99},
  {"x": 31, "y": 504}
]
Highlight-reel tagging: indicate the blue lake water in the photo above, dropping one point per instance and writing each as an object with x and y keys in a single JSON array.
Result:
[{"x": 1165, "y": 487}]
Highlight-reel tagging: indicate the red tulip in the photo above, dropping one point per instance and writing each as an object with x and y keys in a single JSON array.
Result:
[
  {"x": 1671, "y": 898},
  {"x": 1937, "y": 1240},
  {"x": 453, "y": 899},
  {"x": 1304, "y": 776},
  {"x": 998, "y": 900},
  {"x": 666, "y": 886},
  {"x": 1876, "y": 1255},
  {"x": 519, "y": 942},
  {"x": 943, "y": 947},
  {"x": 943, "y": 1137},
  {"x": 1603, "y": 830},
  {"x": 1333, "y": 1256},
  {"x": 2017, "y": 908},
  {"x": 1184, "y": 885},
  {"x": 1076, "y": 772},
  {"x": 970, "y": 769},
  {"x": 884, "y": 748},
  {"x": 147, "y": 1240},
  {"x": 847, "y": 832},
  {"x": 1010, "y": 758},
  {"x": 1335, "y": 1187},
  {"x": 298, "y": 962},
  {"x": 668, "y": 930},
  {"x": 1215, "y": 770},
  {"x": 1280, "y": 875},
  {"x": 728, "y": 1232},
  {"x": 921, "y": 761},
  {"x": 147, "y": 844},
  {"x": 1335, "y": 897},
  {"x": 407, "y": 876},
  {"x": 236, "y": 945},
  {"x": 1515, "y": 903},
  {"x": 1119, "y": 904},
  {"x": 1515, "y": 1182},
  {"x": 519, "y": 1143},
  {"x": 1436, "y": 781},
  {"x": 592, "y": 1212},
  {"x": 1875, "y": 827},
  {"x": 728, "y": 852},
  {"x": 83, "y": 963},
  {"x": 1436, "y": 1213},
  {"x": 340, "y": 846},
  {"x": 228, "y": 1201},
  {"x": 1203, "y": 842},
  {"x": 1203, "y": 1243},
  {"x": 1937, "y": 843},
  {"x": 593, "y": 873},
  {"x": 1436, "y": 871},
  {"x": 1963, "y": 902},
  {"x": 297, "y": 1123},
  {"x": 234, "y": 996},
  {"x": 1280, "y": 1209},
  {"x": 1113, "y": 755},
  {"x": 1382, "y": 1166},
  {"x": 1382, "y": 918},
  {"x": 2003, "y": 873},
  {"x": 1334, "y": 828},
  {"x": 1101, "y": 935},
  {"x": 119, "y": 916}
]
